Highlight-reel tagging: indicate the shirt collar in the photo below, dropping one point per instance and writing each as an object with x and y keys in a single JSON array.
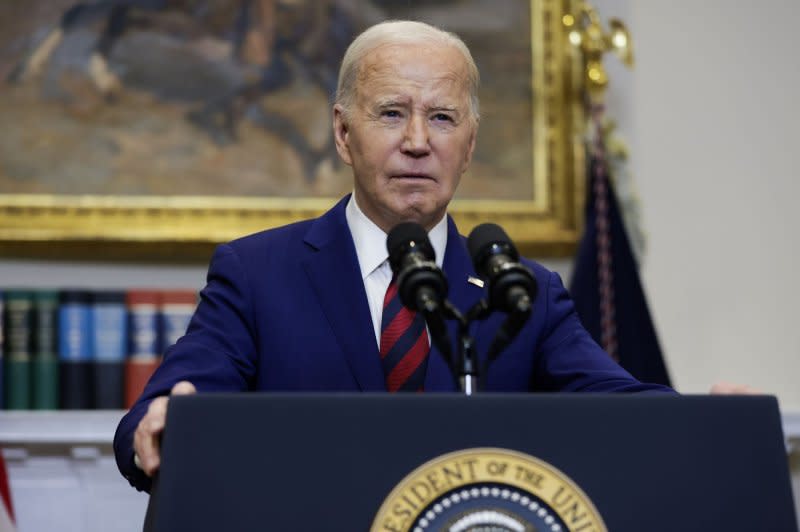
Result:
[{"x": 370, "y": 240}]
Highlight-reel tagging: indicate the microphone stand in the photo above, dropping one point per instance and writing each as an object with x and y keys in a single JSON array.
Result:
[
  {"x": 467, "y": 364},
  {"x": 466, "y": 369}
]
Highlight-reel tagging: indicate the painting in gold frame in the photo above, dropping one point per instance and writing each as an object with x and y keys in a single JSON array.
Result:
[{"x": 195, "y": 138}]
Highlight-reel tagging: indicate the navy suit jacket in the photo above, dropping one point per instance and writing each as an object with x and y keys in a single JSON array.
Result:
[{"x": 286, "y": 309}]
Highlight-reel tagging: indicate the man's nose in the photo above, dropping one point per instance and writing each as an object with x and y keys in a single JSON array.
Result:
[{"x": 416, "y": 141}]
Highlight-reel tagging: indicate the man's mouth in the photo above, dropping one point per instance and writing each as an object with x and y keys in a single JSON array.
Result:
[{"x": 411, "y": 175}]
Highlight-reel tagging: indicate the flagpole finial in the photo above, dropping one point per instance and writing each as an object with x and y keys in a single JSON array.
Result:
[{"x": 586, "y": 33}]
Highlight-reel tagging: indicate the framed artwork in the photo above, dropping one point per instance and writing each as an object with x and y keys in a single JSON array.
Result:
[{"x": 163, "y": 127}]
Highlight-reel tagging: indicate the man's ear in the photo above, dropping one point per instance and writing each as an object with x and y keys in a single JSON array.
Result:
[
  {"x": 471, "y": 149},
  {"x": 341, "y": 134}
]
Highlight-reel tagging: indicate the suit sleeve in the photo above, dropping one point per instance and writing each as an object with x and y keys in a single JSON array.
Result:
[
  {"x": 217, "y": 353},
  {"x": 567, "y": 357}
]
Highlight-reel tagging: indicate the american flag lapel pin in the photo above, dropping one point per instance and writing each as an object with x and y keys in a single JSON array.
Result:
[{"x": 474, "y": 280}]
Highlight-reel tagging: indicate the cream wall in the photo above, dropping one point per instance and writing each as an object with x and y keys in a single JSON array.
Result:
[
  {"x": 711, "y": 117},
  {"x": 715, "y": 115}
]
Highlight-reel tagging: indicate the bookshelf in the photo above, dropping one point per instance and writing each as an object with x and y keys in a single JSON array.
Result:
[
  {"x": 80, "y": 349},
  {"x": 75, "y": 427}
]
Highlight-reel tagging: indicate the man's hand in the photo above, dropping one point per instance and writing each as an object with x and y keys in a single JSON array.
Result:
[
  {"x": 146, "y": 438},
  {"x": 730, "y": 388}
]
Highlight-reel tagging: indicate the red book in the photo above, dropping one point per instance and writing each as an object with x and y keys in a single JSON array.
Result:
[{"x": 144, "y": 354}]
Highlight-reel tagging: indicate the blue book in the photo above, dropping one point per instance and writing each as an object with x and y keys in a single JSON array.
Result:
[
  {"x": 109, "y": 347},
  {"x": 75, "y": 350},
  {"x": 177, "y": 308}
]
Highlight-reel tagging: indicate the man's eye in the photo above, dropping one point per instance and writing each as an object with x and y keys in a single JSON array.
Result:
[
  {"x": 442, "y": 117},
  {"x": 390, "y": 113}
]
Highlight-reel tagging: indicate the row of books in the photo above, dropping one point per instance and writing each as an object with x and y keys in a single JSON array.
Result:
[{"x": 85, "y": 349}]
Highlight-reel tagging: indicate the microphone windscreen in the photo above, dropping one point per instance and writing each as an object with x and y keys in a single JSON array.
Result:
[
  {"x": 489, "y": 239},
  {"x": 407, "y": 237}
]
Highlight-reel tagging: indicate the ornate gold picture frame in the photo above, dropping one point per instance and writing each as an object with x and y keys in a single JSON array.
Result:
[{"x": 528, "y": 173}]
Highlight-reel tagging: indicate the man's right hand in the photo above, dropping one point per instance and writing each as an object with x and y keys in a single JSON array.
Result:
[{"x": 146, "y": 438}]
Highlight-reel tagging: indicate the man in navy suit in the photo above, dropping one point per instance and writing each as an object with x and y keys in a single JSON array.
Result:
[{"x": 299, "y": 307}]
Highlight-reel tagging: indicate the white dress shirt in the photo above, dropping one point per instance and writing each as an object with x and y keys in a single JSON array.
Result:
[{"x": 373, "y": 258}]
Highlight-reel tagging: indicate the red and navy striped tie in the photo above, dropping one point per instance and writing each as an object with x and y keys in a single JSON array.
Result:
[{"x": 404, "y": 344}]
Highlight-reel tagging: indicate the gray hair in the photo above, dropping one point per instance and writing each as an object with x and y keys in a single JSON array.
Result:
[{"x": 401, "y": 32}]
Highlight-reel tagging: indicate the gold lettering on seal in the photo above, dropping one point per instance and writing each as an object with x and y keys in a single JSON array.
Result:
[
  {"x": 529, "y": 477},
  {"x": 496, "y": 468},
  {"x": 414, "y": 496},
  {"x": 571, "y": 510}
]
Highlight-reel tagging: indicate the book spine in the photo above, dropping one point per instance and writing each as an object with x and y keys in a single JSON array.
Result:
[
  {"x": 143, "y": 335},
  {"x": 177, "y": 308},
  {"x": 44, "y": 366},
  {"x": 109, "y": 347},
  {"x": 19, "y": 331},
  {"x": 74, "y": 350}
]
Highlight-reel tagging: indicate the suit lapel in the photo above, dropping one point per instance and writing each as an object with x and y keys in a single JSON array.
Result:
[{"x": 333, "y": 271}]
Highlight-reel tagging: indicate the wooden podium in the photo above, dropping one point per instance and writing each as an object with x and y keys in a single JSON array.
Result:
[{"x": 427, "y": 462}]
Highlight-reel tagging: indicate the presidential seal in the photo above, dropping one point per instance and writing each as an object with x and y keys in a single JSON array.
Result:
[{"x": 487, "y": 490}]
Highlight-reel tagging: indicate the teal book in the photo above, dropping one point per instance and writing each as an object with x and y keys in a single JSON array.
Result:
[
  {"x": 18, "y": 349},
  {"x": 44, "y": 365}
]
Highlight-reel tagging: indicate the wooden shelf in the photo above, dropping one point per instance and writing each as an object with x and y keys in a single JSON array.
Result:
[{"x": 80, "y": 427}]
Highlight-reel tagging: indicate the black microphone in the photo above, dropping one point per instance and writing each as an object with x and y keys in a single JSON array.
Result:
[
  {"x": 421, "y": 284},
  {"x": 511, "y": 285}
]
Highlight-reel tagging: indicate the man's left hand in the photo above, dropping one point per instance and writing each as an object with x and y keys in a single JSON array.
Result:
[{"x": 730, "y": 388}]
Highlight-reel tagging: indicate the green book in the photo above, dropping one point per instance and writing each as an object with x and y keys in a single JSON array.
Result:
[
  {"x": 18, "y": 349},
  {"x": 44, "y": 363}
]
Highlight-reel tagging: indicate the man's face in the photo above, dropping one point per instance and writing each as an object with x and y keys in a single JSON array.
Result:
[{"x": 410, "y": 135}]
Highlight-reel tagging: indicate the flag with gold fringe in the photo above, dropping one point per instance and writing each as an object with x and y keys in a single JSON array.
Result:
[{"x": 605, "y": 283}]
